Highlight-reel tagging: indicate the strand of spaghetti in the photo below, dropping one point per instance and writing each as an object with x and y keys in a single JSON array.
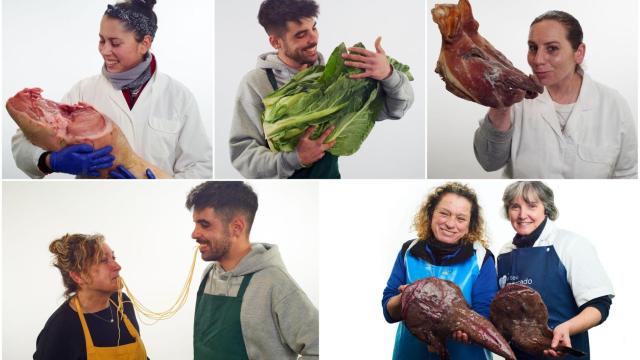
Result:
[
  {"x": 173, "y": 309},
  {"x": 150, "y": 314},
  {"x": 168, "y": 313}
]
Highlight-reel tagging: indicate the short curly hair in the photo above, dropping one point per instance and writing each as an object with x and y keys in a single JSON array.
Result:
[
  {"x": 422, "y": 220},
  {"x": 75, "y": 252},
  {"x": 274, "y": 14}
]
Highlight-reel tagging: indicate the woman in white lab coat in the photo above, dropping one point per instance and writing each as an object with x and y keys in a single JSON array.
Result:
[
  {"x": 157, "y": 114},
  {"x": 577, "y": 128}
]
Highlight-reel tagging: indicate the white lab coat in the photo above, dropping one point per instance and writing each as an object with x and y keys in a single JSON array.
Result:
[
  {"x": 600, "y": 138},
  {"x": 164, "y": 126}
]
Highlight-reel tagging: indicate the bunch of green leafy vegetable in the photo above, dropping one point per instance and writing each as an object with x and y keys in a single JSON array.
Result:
[{"x": 325, "y": 96}]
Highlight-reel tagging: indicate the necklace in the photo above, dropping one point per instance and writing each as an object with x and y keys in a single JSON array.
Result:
[{"x": 103, "y": 319}]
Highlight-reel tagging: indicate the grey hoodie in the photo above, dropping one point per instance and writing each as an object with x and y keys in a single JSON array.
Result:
[
  {"x": 249, "y": 151},
  {"x": 278, "y": 320}
]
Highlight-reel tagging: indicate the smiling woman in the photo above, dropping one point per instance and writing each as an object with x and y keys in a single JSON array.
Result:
[
  {"x": 89, "y": 325},
  {"x": 450, "y": 221},
  {"x": 528, "y": 206},
  {"x": 451, "y": 245},
  {"x": 562, "y": 266},
  {"x": 158, "y": 115},
  {"x": 587, "y": 129},
  {"x": 120, "y": 50}
]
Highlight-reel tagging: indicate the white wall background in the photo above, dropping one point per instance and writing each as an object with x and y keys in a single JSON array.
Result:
[
  {"x": 53, "y": 45},
  {"x": 611, "y": 37},
  {"x": 394, "y": 149},
  {"x": 148, "y": 227},
  {"x": 361, "y": 238}
]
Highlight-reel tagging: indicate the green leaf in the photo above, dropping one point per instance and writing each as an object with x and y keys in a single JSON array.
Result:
[{"x": 325, "y": 96}]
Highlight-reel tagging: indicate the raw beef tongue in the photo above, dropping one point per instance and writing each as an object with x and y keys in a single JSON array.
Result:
[
  {"x": 521, "y": 316},
  {"x": 53, "y": 126},
  {"x": 471, "y": 67},
  {"x": 432, "y": 309}
]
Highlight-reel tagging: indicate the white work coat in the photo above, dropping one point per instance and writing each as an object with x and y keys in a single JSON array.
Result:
[
  {"x": 164, "y": 126},
  {"x": 599, "y": 141},
  {"x": 585, "y": 273}
]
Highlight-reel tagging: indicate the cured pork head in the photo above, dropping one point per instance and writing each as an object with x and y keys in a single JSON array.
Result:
[
  {"x": 53, "y": 126},
  {"x": 432, "y": 309},
  {"x": 471, "y": 67},
  {"x": 519, "y": 313}
]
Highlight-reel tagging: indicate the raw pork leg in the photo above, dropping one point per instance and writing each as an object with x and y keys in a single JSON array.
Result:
[{"x": 53, "y": 126}]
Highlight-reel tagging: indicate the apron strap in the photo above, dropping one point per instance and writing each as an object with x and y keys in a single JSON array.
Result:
[
  {"x": 87, "y": 335},
  {"x": 132, "y": 329},
  {"x": 204, "y": 280},
  {"x": 272, "y": 79},
  {"x": 243, "y": 285}
]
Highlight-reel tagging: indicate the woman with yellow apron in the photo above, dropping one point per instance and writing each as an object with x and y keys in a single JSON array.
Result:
[{"x": 89, "y": 325}]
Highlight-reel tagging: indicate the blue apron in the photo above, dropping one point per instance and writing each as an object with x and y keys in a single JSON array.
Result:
[
  {"x": 540, "y": 268},
  {"x": 407, "y": 346}
]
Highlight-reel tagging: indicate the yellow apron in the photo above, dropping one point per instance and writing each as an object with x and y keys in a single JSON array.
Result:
[{"x": 133, "y": 351}]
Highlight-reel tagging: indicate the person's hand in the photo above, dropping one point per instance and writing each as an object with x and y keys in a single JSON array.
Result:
[
  {"x": 310, "y": 151},
  {"x": 460, "y": 336},
  {"x": 374, "y": 64},
  {"x": 122, "y": 173},
  {"x": 500, "y": 118},
  {"x": 394, "y": 305},
  {"x": 81, "y": 159},
  {"x": 560, "y": 337}
]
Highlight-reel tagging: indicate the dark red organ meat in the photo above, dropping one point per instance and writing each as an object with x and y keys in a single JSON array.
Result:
[
  {"x": 519, "y": 313},
  {"x": 53, "y": 126},
  {"x": 471, "y": 67},
  {"x": 433, "y": 309}
]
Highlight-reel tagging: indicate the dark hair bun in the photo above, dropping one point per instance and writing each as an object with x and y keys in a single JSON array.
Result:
[{"x": 144, "y": 3}]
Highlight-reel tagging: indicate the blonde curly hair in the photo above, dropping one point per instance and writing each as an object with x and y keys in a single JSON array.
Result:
[
  {"x": 75, "y": 252},
  {"x": 422, "y": 220}
]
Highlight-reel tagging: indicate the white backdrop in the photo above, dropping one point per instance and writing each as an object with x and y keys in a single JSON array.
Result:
[
  {"x": 361, "y": 238},
  {"x": 611, "y": 37},
  {"x": 149, "y": 229},
  {"x": 394, "y": 149},
  {"x": 53, "y": 45}
]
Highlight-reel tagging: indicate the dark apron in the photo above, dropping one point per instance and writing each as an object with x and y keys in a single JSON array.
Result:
[
  {"x": 325, "y": 168},
  {"x": 540, "y": 268},
  {"x": 217, "y": 332}
]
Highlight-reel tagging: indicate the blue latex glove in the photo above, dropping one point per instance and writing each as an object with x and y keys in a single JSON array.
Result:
[
  {"x": 121, "y": 172},
  {"x": 81, "y": 159}
]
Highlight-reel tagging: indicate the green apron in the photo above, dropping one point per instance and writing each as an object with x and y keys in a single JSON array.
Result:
[
  {"x": 325, "y": 168},
  {"x": 217, "y": 333}
]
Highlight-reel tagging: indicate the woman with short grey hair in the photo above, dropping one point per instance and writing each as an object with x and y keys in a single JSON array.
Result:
[
  {"x": 561, "y": 265},
  {"x": 526, "y": 189}
]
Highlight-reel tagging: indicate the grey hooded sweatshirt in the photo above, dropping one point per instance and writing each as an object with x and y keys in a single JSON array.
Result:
[
  {"x": 250, "y": 154},
  {"x": 278, "y": 320}
]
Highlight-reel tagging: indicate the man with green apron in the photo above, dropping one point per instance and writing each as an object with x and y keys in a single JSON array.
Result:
[
  {"x": 248, "y": 306},
  {"x": 291, "y": 26}
]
